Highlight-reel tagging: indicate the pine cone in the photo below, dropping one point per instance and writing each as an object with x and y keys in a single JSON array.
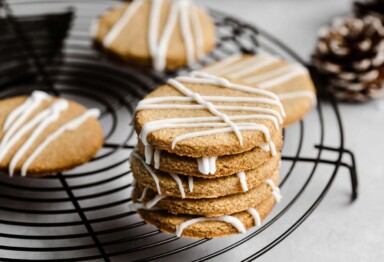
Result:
[
  {"x": 350, "y": 54},
  {"x": 370, "y": 7}
]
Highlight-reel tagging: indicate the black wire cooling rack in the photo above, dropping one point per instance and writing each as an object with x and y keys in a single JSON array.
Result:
[{"x": 83, "y": 214}]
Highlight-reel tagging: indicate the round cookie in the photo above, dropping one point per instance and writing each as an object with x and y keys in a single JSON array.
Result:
[
  {"x": 164, "y": 34},
  {"x": 42, "y": 135},
  {"x": 202, "y": 115},
  {"x": 209, "y": 227},
  {"x": 211, "y": 207},
  {"x": 196, "y": 188},
  {"x": 290, "y": 81},
  {"x": 225, "y": 165}
]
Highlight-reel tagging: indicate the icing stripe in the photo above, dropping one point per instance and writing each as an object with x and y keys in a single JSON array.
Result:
[
  {"x": 71, "y": 125},
  {"x": 271, "y": 74},
  {"x": 179, "y": 183},
  {"x": 150, "y": 171},
  {"x": 122, "y": 22},
  {"x": 275, "y": 190},
  {"x": 298, "y": 94},
  {"x": 255, "y": 215},
  {"x": 186, "y": 30},
  {"x": 217, "y": 68},
  {"x": 282, "y": 79},
  {"x": 196, "y": 25},
  {"x": 154, "y": 201},
  {"x": 148, "y": 153},
  {"x": 190, "y": 183},
  {"x": 264, "y": 62},
  {"x": 258, "y": 127},
  {"x": 243, "y": 181},
  {"x": 156, "y": 158},
  {"x": 143, "y": 194},
  {"x": 227, "y": 219},
  {"x": 207, "y": 165}
]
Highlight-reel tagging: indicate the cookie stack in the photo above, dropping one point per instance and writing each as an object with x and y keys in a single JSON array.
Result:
[{"x": 206, "y": 164}]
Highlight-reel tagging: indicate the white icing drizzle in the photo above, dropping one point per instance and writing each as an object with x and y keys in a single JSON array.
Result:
[
  {"x": 151, "y": 203},
  {"x": 275, "y": 190},
  {"x": 262, "y": 62},
  {"x": 265, "y": 147},
  {"x": 298, "y": 71},
  {"x": 148, "y": 154},
  {"x": 179, "y": 184},
  {"x": 71, "y": 125},
  {"x": 271, "y": 74},
  {"x": 198, "y": 31},
  {"x": 207, "y": 165},
  {"x": 204, "y": 103},
  {"x": 272, "y": 148},
  {"x": 156, "y": 158},
  {"x": 227, "y": 219},
  {"x": 298, "y": 94},
  {"x": 243, "y": 180},
  {"x": 150, "y": 171},
  {"x": 122, "y": 22},
  {"x": 190, "y": 183},
  {"x": 218, "y": 67},
  {"x": 143, "y": 194},
  {"x": 255, "y": 215},
  {"x": 53, "y": 115}
]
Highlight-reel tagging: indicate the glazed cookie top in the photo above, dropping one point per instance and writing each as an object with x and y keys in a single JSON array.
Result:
[
  {"x": 290, "y": 81},
  {"x": 41, "y": 135},
  {"x": 165, "y": 33},
  {"x": 204, "y": 115}
]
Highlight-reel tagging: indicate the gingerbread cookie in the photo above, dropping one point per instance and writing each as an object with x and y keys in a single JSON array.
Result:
[
  {"x": 42, "y": 135},
  {"x": 208, "y": 227},
  {"x": 202, "y": 115},
  {"x": 210, "y": 167},
  {"x": 210, "y": 207},
  {"x": 171, "y": 184},
  {"x": 290, "y": 81},
  {"x": 166, "y": 34}
]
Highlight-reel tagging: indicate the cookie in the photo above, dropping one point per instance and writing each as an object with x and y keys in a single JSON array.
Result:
[
  {"x": 210, "y": 207},
  {"x": 42, "y": 135},
  {"x": 290, "y": 81},
  {"x": 203, "y": 227},
  {"x": 199, "y": 187},
  {"x": 164, "y": 34},
  {"x": 211, "y": 167},
  {"x": 202, "y": 115}
]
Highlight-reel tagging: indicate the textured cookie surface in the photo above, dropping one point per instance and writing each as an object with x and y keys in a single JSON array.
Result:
[
  {"x": 168, "y": 223},
  {"x": 225, "y": 165},
  {"x": 290, "y": 81},
  {"x": 127, "y": 32},
  {"x": 71, "y": 148},
  {"x": 202, "y": 187},
  {"x": 212, "y": 207},
  {"x": 256, "y": 112}
]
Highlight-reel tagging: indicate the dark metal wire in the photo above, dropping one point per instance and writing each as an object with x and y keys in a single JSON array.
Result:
[{"x": 116, "y": 90}]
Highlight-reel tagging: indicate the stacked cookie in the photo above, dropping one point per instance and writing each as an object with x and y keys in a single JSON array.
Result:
[{"x": 207, "y": 159}]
